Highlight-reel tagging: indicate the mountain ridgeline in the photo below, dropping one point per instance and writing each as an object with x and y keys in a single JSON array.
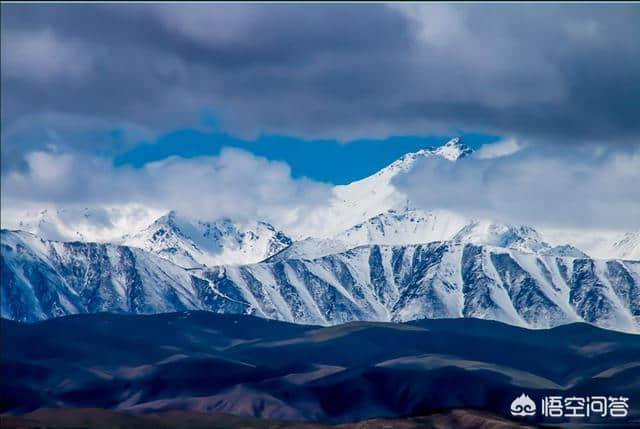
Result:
[
  {"x": 43, "y": 279},
  {"x": 381, "y": 260}
]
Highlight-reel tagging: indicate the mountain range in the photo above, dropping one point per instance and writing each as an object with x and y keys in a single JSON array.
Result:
[
  {"x": 192, "y": 244},
  {"x": 380, "y": 259}
]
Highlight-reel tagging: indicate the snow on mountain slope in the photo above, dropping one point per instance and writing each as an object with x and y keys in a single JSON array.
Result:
[
  {"x": 417, "y": 226},
  {"x": 368, "y": 211},
  {"x": 442, "y": 279},
  {"x": 374, "y": 211},
  {"x": 453, "y": 150},
  {"x": 405, "y": 227},
  {"x": 627, "y": 247},
  {"x": 195, "y": 243},
  {"x": 521, "y": 237},
  {"x": 599, "y": 243},
  {"x": 351, "y": 204},
  {"x": 391, "y": 227},
  {"x": 42, "y": 279},
  {"x": 97, "y": 224},
  {"x": 364, "y": 199},
  {"x": 362, "y": 202}
]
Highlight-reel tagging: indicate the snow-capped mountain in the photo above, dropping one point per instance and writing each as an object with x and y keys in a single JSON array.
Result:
[
  {"x": 418, "y": 226},
  {"x": 354, "y": 217},
  {"x": 97, "y": 224},
  {"x": 599, "y": 243},
  {"x": 192, "y": 244},
  {"x": 370, "y": 255},
  {"x": 523, "y": 238},
  {"x": 627, "y": 247},
  {"x": 368, "y": 211},
  {"x": 374, "y": 211},
  {"x": 389, "y": 228},
  {"x": 453, "y": 150},
  {"x": 43, "y": 279},
  {"x": 403, "y": 227},
  {"x": 364, "y": 199}
]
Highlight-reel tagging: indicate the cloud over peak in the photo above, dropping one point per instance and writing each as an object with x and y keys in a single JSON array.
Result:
[
  {"x": 594, "y": 187},
  {"x": 234, "y": 184}
]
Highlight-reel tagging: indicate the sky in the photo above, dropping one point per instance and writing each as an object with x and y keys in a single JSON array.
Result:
[
  {"x": 325, "y": 160},
  {"x": 262, "y": 107}
]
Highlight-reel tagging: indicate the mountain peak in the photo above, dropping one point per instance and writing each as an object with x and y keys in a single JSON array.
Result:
[
  {"x": 453, "y": 149},
  {"x": 170, "y": 221},
  {"x": 168, "y": 218},
  {"x": 193, "y": 243},
  {"x": 519, "y": 237}
]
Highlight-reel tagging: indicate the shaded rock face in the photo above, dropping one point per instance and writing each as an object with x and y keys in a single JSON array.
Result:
[{"x": 44, "y": 279}]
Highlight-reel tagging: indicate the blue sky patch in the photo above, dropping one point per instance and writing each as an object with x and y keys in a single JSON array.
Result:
[{"x": 324, "y": 160}]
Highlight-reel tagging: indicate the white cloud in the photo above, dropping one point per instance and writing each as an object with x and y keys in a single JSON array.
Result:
[
  {"x": 548, "y": 187},
  {"x": 501, "y": 148},
  {"x": 234, "y": 184},
  {"x": 73, "y": 222}
]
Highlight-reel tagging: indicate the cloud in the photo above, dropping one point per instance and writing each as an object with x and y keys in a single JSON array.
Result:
[
  {"x": 61, "y": 132},
  {"x": 44, "y": 57},
  {"x": 207, "y": 25},
  {"x": 68, "y": 223},
  {"x": 234, "y": 184},
  {"x": 563, "y": 72},
  {"x": 83, "y": 83},
  {"x": 501, "y": 148},
  {"x": 594, "y": 187}
]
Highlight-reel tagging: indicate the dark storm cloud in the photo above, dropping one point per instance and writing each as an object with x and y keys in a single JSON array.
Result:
[
  {"x": 537, "y": 72},
  {"x": 150, "y": 61}
]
